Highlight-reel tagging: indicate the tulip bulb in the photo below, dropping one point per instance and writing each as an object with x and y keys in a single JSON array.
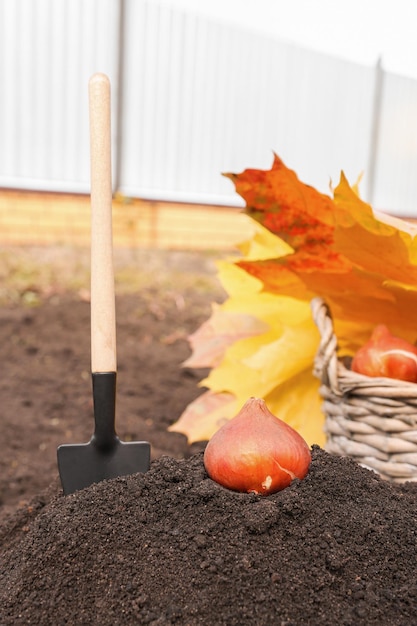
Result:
[
  {"x": 256, "y": 452},
  {"x": 387, "y": 356}
]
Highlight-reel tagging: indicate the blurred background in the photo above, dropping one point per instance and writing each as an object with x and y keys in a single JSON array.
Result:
[{"x": 201, "y": 88}]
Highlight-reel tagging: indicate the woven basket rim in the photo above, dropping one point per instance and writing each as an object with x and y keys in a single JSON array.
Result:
[{"x": 329, "y": 367}]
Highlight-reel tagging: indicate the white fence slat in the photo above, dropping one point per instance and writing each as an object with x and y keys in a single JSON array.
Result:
[
  {"x": 49, "y": 49},
  {"x": 396, "y": 162}
]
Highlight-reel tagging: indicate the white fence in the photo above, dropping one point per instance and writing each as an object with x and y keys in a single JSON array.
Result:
[{"x": 193, "y": 98}]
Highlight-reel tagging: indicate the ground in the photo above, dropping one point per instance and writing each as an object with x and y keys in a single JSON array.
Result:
[
  {"x": 46, "y": 396},
  {"x": 169, "y": 547}
]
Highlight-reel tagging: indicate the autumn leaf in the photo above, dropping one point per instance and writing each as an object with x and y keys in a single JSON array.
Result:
[
  {"x": 305, "y": 244},
  {"x": 205, "y": 415},
  {"x": 295, "y": 212},
  {"x": 222, "y": 329},
  {"x": 262, "y": 364},
  {"x": 367, "y": 254},
  {"x": 370, "y": 243}
]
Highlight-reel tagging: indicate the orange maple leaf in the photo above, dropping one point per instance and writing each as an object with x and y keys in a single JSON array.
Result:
[
  {"x": 297, "y": 213},
  {"x": 363, "y": 264}
]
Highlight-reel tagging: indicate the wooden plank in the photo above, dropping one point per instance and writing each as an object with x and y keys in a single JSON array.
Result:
[{"x": 34, "y": 218}]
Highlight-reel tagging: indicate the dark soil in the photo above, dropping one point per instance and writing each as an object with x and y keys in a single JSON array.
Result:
[
  {"x": 172, "y": 547},
  {"x": 45, "y": 382}
]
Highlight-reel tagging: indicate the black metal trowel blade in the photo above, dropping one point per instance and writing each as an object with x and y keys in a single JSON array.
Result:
[{"x": 104, "y": 456}]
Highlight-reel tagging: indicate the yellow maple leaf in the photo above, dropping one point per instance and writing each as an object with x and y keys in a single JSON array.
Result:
[{"x": 272, "y": 363}]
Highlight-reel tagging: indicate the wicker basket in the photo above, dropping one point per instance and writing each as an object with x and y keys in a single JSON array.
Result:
[{"x": 373, "y": 420}]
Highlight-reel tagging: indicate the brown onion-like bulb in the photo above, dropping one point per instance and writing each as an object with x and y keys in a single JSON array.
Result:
[
  {"x": 256, "y": 452},
  {"x": 386, "y": 355}
]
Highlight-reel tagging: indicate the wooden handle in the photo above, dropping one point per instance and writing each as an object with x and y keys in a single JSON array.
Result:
[{"x": 103, "y": 315}]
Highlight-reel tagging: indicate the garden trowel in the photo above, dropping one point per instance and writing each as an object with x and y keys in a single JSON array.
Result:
[{"x": 104, "y": 456}]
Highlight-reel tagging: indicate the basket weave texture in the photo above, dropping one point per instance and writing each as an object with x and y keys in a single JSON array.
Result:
[{"x": 373, "y": 420}]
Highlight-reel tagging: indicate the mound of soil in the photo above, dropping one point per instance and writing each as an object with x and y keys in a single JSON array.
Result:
[{"x": 173, "y": 547}]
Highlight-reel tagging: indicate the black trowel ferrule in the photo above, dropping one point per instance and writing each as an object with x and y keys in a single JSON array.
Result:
[{"x": 104, "y": 398}]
